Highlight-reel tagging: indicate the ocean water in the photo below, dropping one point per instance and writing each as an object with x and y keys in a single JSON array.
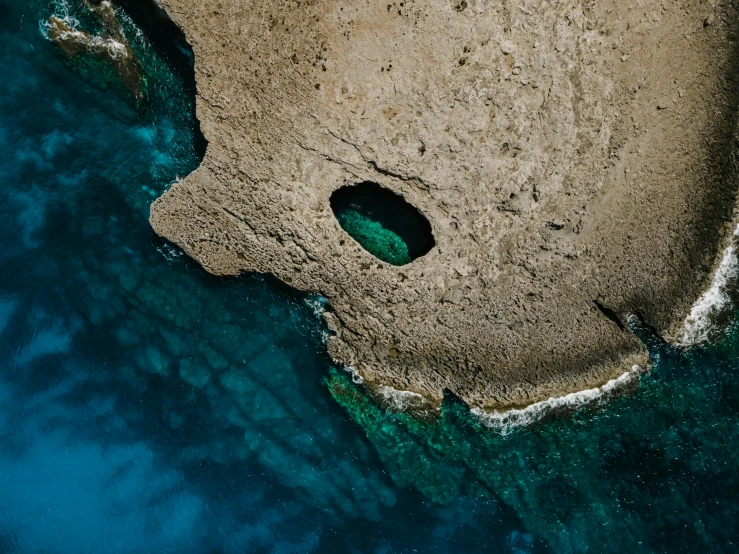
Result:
[
  {"x": 146, "y": 406},
  {"x": 376, "y": 239}
]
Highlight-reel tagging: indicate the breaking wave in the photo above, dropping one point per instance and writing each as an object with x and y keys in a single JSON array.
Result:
[
  {"x": 400, "y": 400},
  {"x": 505, "y": 422},
  {"x": 716, "y": 301},
  {"x": 317, "y": 304}
]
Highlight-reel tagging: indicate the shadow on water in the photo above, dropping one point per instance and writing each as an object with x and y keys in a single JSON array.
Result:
[{"x": 171, "y": 44}]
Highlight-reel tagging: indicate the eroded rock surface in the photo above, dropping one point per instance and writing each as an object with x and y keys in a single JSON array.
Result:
[{"x": 568, "y": 155}]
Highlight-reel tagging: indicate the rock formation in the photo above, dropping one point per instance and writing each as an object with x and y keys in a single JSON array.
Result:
[
  {"x": 574, "y": 160},
  {"x": 110, "y": 45}
]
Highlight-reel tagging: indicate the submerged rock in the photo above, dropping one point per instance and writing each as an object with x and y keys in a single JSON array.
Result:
[
  {"x": 194, "y": 373},
  {"x": 111, "y": 45},
  {"x": 527, "y": 133}
]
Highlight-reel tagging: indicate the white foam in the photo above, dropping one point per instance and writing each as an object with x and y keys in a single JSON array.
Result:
[
  {"x": 115, "y": 48},
  {"x": 400, "y": 400},
  {"x": 170, "y": 252},
  {"x": 62, "y": 14},
  {"x": 357, "y": 379},
  {"x": 140, "y": 38},
  {"x": 317, "y": 304},
  {"x": 714, "y": 301},
  {"x": 507, "y": 421}
]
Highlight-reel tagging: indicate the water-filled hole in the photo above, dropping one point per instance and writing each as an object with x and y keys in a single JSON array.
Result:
[{"x": 382, "y": 222}]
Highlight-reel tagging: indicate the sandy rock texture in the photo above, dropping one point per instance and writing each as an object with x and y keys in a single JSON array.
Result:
[{"x": 568, "y": 155}]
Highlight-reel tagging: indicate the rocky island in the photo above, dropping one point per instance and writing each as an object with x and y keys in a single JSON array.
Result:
[{"x": 570, "y": 164}]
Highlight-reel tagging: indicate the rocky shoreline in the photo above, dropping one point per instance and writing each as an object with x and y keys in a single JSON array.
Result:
[{"x": 575, "y": 163}]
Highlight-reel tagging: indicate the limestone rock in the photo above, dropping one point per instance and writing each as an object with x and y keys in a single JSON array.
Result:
[{"x": 526, "y": 131}]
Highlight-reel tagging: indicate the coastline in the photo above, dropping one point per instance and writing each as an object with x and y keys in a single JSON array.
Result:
[
  {"x": 506, "y": 421},
  {"x": 710, "y": 312},
  {"x": 706, "y": 319},
  {"x": 525, "y": 296}
]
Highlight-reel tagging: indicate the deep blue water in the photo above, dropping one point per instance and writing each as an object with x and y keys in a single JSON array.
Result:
[{"x": 146, "y": 406}]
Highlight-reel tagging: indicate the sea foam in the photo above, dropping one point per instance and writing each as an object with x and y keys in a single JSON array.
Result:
[
  {"x": 357, "y": 379},
  {"x": 711, "y": 305},
  {"x": 400, "y": 400},
  {"x": 170, "y": 252},
  {"x": 317, "y": 304},
  {"x": 715, "y": 301},
  {"x": 505, "y": 422},
  {"x": 113, "y": 47}
]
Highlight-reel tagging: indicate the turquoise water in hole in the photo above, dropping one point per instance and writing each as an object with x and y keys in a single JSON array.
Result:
[
  {"x": 374, "y": 238},
  {"x": 382, "y": 222},
  {"x": 146, "y": 406}
]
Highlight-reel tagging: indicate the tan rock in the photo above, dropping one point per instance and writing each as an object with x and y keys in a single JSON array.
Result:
[{"x": 526, "y": 131}]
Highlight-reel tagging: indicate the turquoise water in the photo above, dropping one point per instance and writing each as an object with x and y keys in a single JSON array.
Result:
[
  {"x": 656, "y": 470},
  {"x": 382, "y": 222},
  {"x": 146, "y": 406},
  {"x": 375, "y": 238}
]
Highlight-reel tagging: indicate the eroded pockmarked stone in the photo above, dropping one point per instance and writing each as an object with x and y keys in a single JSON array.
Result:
[{"x": 566, "y": 155}]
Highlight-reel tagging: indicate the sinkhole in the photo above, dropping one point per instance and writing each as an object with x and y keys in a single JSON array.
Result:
[{"x": 382, "y": 222}]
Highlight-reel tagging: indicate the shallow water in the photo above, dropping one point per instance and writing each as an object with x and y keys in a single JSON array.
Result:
[
  {"x": 148, "y": 407},
  {"x": 374, "y": 238}
]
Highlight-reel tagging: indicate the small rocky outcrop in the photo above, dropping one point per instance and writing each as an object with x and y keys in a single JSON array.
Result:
[{"x": 111, "y": 45}]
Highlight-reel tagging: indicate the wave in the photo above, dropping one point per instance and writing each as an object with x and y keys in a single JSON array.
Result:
[
  {"x": 317, "y": 304},
  {"x": 707, "y": 310},
  {"x": 716, "y": 301},
  {"x": 400, "y": 400},
  {"x": 357, "y": 379},
  {"x": 505, "y": 422},
  {"x": 63, "y": 13},
  {"x": 102, "y": 45},
  {"x": 170, "y": 252},
  {"x": 111, "y": 45}
]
